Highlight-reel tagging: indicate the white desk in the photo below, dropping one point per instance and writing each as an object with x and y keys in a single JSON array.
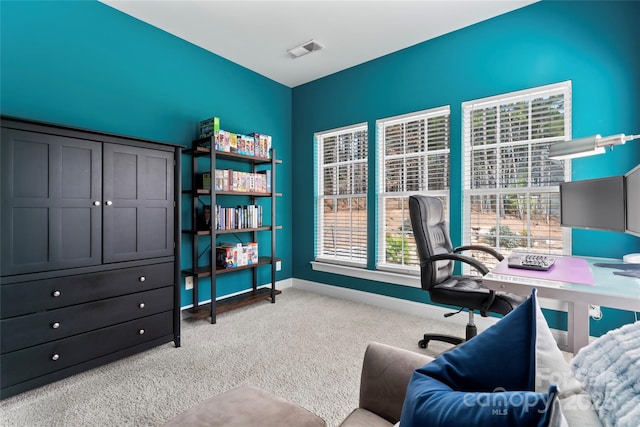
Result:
[{"x": 609, "y": 290}]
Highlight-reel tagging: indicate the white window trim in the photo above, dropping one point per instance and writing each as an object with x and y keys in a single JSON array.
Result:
[
  {"x": 406, "y": 271},
  {"x": 497, "y": 100},
  {"x": 396, "y": 278},
  {"x": 553, "y": 88},
  {"x": 318, "y": 235}
]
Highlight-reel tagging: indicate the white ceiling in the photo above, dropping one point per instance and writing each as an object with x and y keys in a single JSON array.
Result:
[{"x": 257, "y": 34}]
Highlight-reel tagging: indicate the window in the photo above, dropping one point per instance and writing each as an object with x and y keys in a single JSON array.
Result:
[
  {"x": 341, "y": 226},
  {"x": 511, "y": 188},
  {"x": 413, "y": 156}
]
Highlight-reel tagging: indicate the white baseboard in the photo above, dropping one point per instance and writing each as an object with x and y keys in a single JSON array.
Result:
[
  {"x": 411, "y": 307},
  {"x": 284, "y": 284},
  {"x": 397, "y": 304}
]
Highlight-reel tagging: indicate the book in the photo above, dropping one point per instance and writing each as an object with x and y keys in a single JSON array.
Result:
[
  {"x": 203, "y": 180},
  {"x": 262, "y": 144},
  {"x": 265, "y": 181},
  {"x": 253, "y": 252},
  {"x": 208, "y": 127},
  {"x": 247, "y": 216},
  {"x": 222, "y": 179},
  {"x": 233, "y": 143},
  {"x": 226, "y": 257},
  {"x": 231, "y": 254},
  {"x": 204, "y": 218}
]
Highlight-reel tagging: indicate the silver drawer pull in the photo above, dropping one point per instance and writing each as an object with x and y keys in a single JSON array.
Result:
[
  {"x": 141, "y": 332},
  {"x": 96, "y": 203},
  {"x": 142, "y": 278},
  {"x": 56, "y": 294},
  {"x": 55, "y": 357},
  {"x": 109, "y": 203},
  {"x": 55, "y": 325},
  {"x": 141, "y": 305}
]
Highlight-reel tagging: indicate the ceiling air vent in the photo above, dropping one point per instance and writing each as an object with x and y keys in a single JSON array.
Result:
[{"x": 303, "y": 49}]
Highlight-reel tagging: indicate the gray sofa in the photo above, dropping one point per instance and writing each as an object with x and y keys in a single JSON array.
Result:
[{"x": 386, "y": 372}]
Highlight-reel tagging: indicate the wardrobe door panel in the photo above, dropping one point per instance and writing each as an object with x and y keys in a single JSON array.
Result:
[
  {"x": 51, "y": 213},
  {"x": 138, "y": 194}
]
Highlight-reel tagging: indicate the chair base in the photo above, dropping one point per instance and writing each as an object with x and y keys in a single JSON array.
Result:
[
  {"x": 471, "y": 332},
  {"x": 437, "y": 337}
]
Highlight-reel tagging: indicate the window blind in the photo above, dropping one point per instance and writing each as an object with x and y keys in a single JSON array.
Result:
[
  {"x": 413, "y": 157},
  {"x": 511, "y": 187},
  {"x": 341, "y": 214}
]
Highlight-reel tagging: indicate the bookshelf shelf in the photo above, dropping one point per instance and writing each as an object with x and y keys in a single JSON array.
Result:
[
  {"x": 199, "y": 151},
  {"x": 236, "y": 301},
  {"x": 205, "y": 271},
  {"x": 232, "y": 230},
  {"x": 233, "y": 193},
  {"x": 202, "y": 266}
]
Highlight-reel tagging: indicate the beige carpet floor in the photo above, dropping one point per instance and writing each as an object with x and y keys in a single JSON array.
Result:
[{"x": 306, "y": 347}]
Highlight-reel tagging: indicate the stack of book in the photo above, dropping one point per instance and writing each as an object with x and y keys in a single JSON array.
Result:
[
  {"x": 248, "y": 216},
  {"x": 229, "y": 255},
  {"x": 253, "y": 144},
  {"x": 243, "y": 182}
]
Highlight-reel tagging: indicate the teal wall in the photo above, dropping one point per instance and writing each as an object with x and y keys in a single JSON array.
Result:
[
  {"x": 594, "y": 44},
  {"x": 84, "y": 64}
]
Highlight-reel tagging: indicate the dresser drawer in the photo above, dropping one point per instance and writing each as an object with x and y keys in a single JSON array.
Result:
[
  {"x": 22, "y": 365},
  {"x": 47, "y": 294},
  {"x": 29, "y": 330}
]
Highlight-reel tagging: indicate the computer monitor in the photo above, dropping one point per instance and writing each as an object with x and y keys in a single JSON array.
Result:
[
  {"x": 597, "y": 204},
  {"x": 632, "y": 183}
]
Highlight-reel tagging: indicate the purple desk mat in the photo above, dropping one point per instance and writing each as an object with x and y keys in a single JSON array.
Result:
[{"x": 565, "y": 269}]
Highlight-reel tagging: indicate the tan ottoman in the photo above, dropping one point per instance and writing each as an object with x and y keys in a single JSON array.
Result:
[{"x": 247, "y": 406}]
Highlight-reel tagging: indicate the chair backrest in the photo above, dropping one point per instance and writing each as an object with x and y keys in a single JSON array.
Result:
[{"x": 432, "y": 238}]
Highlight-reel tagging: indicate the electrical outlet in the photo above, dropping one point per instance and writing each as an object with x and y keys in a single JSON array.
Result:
[
  {"x": 278, "y": 265},
  {"x": 188, "y": 282}
]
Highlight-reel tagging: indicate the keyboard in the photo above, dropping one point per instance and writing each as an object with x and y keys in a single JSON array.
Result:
[{"x": 531, "y": 262}]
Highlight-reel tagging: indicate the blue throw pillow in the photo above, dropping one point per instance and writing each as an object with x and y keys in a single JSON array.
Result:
[{"x": 489, "y": 380}]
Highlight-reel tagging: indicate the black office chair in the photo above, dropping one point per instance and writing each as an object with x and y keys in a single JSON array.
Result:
[{"x": 436, "y": 268}]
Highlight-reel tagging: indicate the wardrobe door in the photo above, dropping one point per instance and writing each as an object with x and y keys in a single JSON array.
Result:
[
  {"x": 138, "y": 197},
  {"x": 51, "y": 202}
]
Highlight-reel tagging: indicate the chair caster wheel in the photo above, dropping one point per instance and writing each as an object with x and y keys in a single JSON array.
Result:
[{"x": 423, "y": 343}]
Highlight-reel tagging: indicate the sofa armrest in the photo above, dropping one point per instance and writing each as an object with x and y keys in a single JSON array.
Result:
[{"x": 386, "y": 371}]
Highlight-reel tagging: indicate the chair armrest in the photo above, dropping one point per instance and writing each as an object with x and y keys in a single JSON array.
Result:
[
  {"x": 484, "y": 311},
  {"x": 497, "y": 255},
  {"x": 482, "y": 269},
  {"x": 386, "y": 371}
]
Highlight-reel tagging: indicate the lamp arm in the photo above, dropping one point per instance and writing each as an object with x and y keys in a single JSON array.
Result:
[{"x": 610, "y": 141}]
